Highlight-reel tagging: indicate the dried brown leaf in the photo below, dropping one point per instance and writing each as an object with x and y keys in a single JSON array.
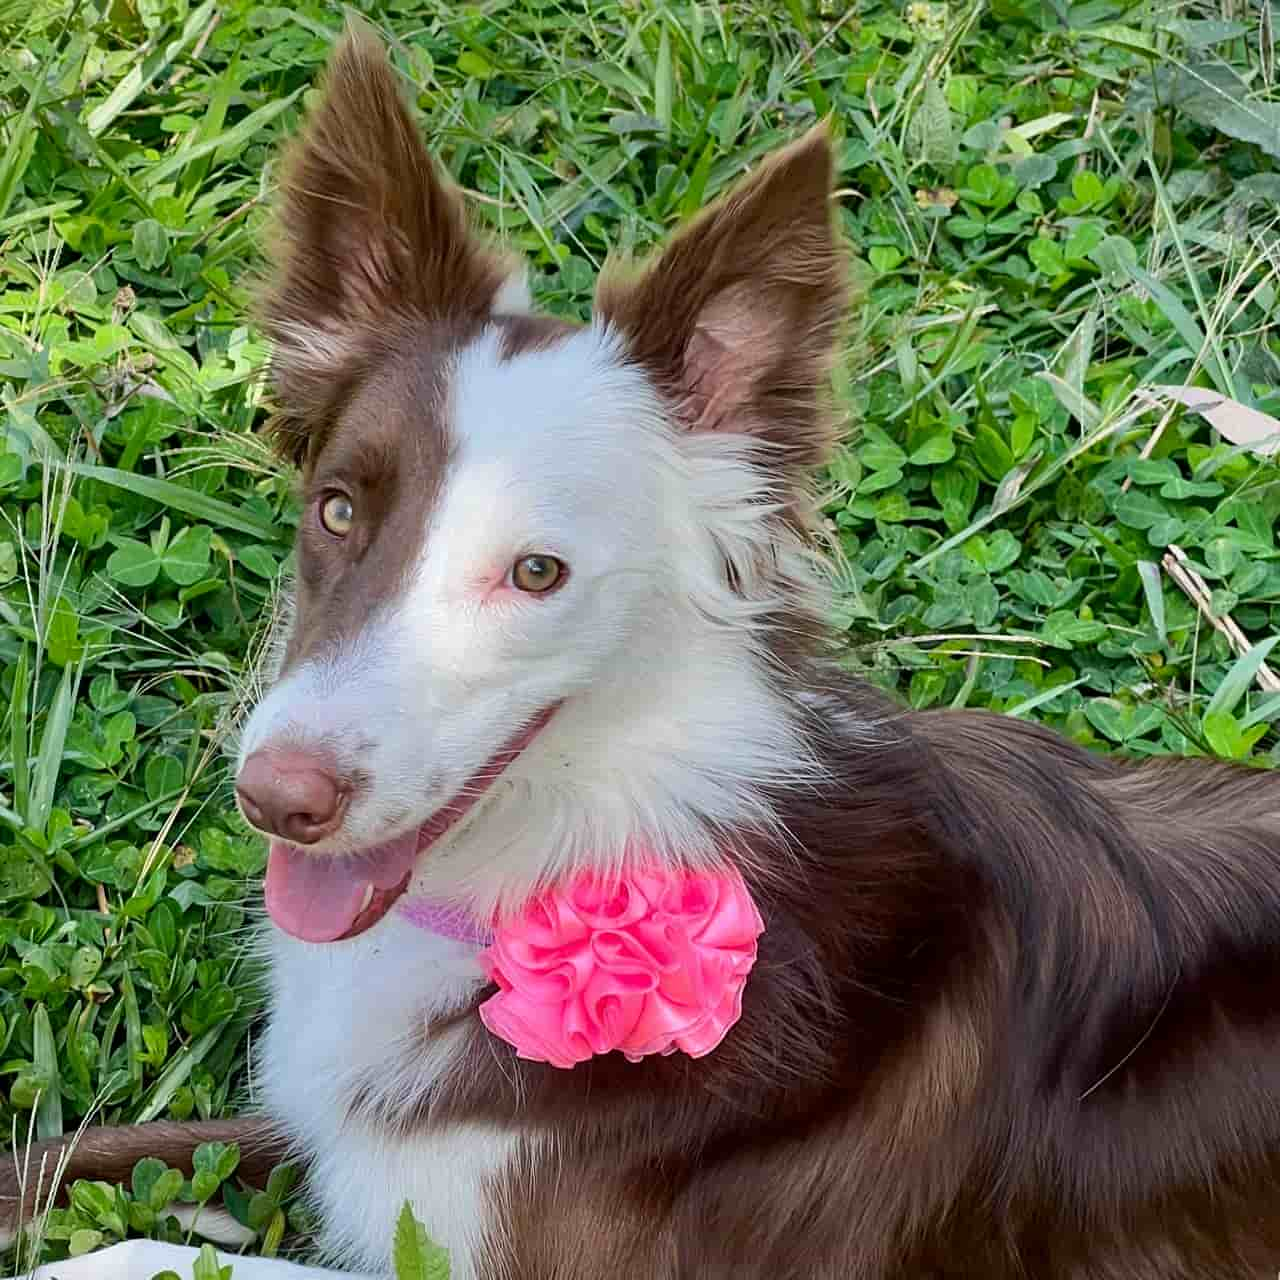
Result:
[{"x": 1238, "y": 423}]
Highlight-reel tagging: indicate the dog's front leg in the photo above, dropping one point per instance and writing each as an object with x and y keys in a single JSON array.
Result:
[{"x": 142, "y": 1259}]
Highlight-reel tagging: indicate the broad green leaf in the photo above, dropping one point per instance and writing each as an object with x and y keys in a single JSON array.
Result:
[
  {"x": 1083, "y": 242},
  {"x": 218, "y": 1158},
  {"x": 984, "y": 603},
  {"x": 134, "y": 564},
  {"x": 955, "y": 488},
  {"x": 1139, "y": 510},
  {"x": 935, "y": 446},
  {"x": 84, "y": 967},
  {"x": 186, "y": 558},
  {"x": 1126, "y": 37},
  {"x": 881, "y": 453},
  {"x": 97, "y": 1201},
  {"x": 1109, "y": 717},
  {"x": 1201, "y": 32},
  {"x": 892, "y": 507},
  {"x": 884, "y": 258},
  {"x": 878, "y": 481},
  {"x": 146, "y": 1174},
  {"x": 925, "y": 688},
  {"x": 164, "y": 775},
  {"x": 1227, "y": 737},
  {"x": 414, "y": 1255},
  {"x": 983, "y": 184},
  {"x": 1002, "y": 550},
  {"x": 1150, "y": 471},
  {"x": 1236, "y": 682},
  {"x": 1063, "y": 629},
  {"x": 1046, "y": 256},
  {"x": 1115, "y": 256},
  {"x": 1181, "y": 489},
  {"x": 965, "y": 227},
  {"x": 84, "y": 1240},
  {"x": 992, "y": 453},
  {"x": 472, "y": 64},
  {"x": 150, "y": 244},
  {"x": 207, "y": 1266},
  {"x": 1035, "y": 586},
  {"x": 1221, "y": 556}
]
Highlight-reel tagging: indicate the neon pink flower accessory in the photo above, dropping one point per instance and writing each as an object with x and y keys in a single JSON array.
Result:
[{"x": 650, "y": 961}]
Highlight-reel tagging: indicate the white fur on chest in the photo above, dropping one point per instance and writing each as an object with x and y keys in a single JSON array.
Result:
[{"x": 343, "y": 1017}]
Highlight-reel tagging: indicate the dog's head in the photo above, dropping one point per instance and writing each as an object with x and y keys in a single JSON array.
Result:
[{"x": 532, "y": 554}]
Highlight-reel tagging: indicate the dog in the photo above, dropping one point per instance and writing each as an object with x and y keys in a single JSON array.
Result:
[{"x": 1015, "y": 1010}]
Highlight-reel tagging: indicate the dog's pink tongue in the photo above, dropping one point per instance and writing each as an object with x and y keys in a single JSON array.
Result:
[{"x": 318, "y": 898}]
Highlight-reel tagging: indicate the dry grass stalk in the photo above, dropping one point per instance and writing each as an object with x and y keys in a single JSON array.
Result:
[{"x": 1179, "y": 568}]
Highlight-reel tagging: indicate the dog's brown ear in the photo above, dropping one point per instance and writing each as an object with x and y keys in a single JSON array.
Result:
[
  {"x": 367, "y": 233},
  {"x": 737, "y": 318}
]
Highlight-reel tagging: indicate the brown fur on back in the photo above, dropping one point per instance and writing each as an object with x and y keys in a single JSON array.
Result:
[{"x": 1017, "y": 1013}]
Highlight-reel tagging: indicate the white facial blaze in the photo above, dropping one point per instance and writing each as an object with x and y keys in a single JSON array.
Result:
[{"x": 668, "y": 726}]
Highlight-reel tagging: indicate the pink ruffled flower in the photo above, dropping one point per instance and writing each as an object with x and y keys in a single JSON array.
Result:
[{"x": 650, "y": 961}]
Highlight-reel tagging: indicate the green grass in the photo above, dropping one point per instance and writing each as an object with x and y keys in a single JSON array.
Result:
[{"x": 1052, "y": 206}]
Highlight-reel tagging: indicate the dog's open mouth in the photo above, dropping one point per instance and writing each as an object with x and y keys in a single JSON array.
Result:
[{"x": 327, "y": 898}]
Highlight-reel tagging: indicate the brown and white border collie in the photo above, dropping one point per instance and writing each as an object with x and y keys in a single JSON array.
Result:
[{"x": 1016, "y": 1011}]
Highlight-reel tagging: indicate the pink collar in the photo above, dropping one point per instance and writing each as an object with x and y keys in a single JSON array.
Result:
[
  {"x": 648, "y": 961},
  {"x": 435, "y": 915}
]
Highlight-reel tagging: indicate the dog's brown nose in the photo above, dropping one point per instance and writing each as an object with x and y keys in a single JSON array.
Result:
[{"x": 292, "y": 795}]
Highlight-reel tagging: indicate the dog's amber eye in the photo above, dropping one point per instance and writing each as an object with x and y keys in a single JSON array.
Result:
[
  {"x": 537, "y": 573},
  {"x": 337, "y": 514}
]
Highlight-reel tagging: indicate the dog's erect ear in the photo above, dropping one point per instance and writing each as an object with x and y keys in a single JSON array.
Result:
[
  {"x": 736, "y": 319},
  {"x": 367, "y": 233}
]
